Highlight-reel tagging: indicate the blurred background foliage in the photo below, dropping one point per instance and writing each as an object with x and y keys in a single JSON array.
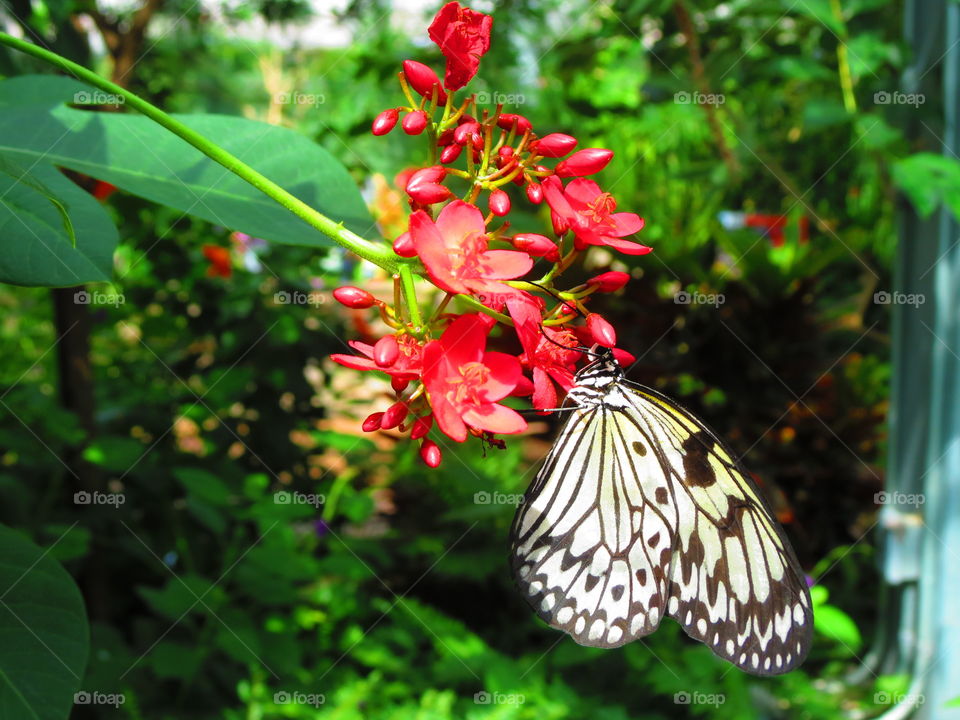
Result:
[{"x": 209, "y": 593}]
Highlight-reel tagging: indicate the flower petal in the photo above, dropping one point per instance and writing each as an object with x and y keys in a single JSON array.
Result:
[
  {"x": 626, "y": 223},
  {"x": 458, "y": 221},
  {"x": 505, "y": 373},
  {"x": 496, "y": 419},
  {"x": 581, "y": 192},
  {"x": 506, "y": 264},
  {"x": 432, "y": 250},
  {"x": 625, "y": 246}
]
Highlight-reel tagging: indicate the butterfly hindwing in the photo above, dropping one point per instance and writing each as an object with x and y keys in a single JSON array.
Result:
[
  {"x": 640, "y": 511},
  {"x": 589, "y": 554}
]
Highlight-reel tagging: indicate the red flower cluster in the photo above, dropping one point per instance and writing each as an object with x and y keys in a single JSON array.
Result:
[{"x": 441, "y": 370}]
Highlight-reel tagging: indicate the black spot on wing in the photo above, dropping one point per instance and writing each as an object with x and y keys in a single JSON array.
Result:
[
  {"x": 639, "y": 448},
  {"x": 696, "y": 465}
]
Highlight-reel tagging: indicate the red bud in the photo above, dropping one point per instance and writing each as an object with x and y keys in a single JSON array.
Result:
[
  {"x": 609, "y": 281},
  {"x": 584, "y": 162},
  {"x": 385, "y": 121},
  {"x": 423, "y": 79},
  {"x": 414, "y": 123},
  {"x": 534, "y": 193},
  {"x": 394, "y": 415},
  {"x": 386, "y": 351},
  {"x": 430, "y": 453},
  {"x": 465, "y": 133},
  {"x": 555, "y": 145},
  {"x": 421, "y": 427},
  {"x": 403, "y": 246},
  {"x": 499, "y": 202},
  {"x": 601, "y": 331},
  {"x": 560, "y": 224},
  {"x": 399, "y": 384},
  {"x": 372, "y": 422},
  {"x": 507, "y": 120},
  {"x": 533, "y": 244},
  {"x": 354, "y": 297},
  {"x": 450, "y": 153},
  {"x": 506, "y": 152},
  {"x": 424, "y": 185}
]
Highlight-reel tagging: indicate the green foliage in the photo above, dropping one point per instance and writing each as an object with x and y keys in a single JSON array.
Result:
[
  {"x": 269, "y": 562},
  {"x": 45, "y": 635}
]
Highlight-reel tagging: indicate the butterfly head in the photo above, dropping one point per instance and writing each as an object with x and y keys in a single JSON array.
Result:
[{"x": 603, "y": 371}]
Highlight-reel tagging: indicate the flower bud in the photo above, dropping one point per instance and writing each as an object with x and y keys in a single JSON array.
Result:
[
  {"x": 499, "y": 202},
  {"x": 399, "y": 384},
  {"x": 394, "y": 415},
  {"x": 372, "y": 422},
  {"x": 534, "y": 192},
  {"x": 414, "y": 122},
  {"x": 354, "y": 297},
  {"x": 422, "y": 79},
  {"x": 584, "y": 162},
  {"x": 505, "y": 153},
  {"x": 403, "y": 246},
  {"x": 555, "y": 145},
  {"x": 609, "y": 281},
  {"x": 601, "y": 331},
  {"x": 533, "y": 244},
  {"x": 386, "y": 351},
  {"x": 506, "y": 121},
  {"x": 385, "y": 121},
  {"x": 464, "y": 133},
  {"x": 560, "y": 224},
  {"x": 450, "y": 153},
  {"x": 424, "y": 185},
  {"x": 421, "y": 427},
  {"x": 430, "y": 453}
]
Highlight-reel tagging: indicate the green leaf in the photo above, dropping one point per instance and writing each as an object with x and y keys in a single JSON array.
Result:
[
  {"x": 53, "y": 234},
  {"x": 927, "y": 180},
  {"x": 44, "y": 638},
  {"x": 139, "y": 156},
  {"x": 837, "y": 625}
]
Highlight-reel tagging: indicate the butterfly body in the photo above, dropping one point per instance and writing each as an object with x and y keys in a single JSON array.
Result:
[{"x": 640, "y": 512}]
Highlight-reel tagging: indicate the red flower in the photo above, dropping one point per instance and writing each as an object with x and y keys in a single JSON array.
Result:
[
  {"x": 454, "y": 251},
  {"x": 463, "y": 36},
  {"x": 464, "y": 382},
  {"x": 543, "y": 355},
  {"x": 219, "y": 258},
  {"x": 590, "y": 214},
  {"x": 407, "y": 364}
]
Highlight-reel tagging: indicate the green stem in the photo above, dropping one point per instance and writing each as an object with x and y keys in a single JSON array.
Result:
[
  {"x": 410, "y": 295},
  {"x": 843, "y": 60},
  {"x": 477, "y": 305},
  {"x": 376, "y": 253}
]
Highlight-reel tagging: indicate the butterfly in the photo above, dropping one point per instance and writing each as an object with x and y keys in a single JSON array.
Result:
[{"x": 641, "y": 512}]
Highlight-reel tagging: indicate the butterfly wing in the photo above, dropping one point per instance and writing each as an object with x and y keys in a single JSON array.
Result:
[
  {"x": 592, "y": 542},
  {"x": 734, "y": 581}
]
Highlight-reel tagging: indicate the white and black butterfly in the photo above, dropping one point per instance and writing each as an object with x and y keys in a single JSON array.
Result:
[{"x": 639, "y": 512}]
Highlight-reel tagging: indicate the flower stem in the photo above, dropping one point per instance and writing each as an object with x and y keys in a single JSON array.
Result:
[{"x": 376, "y": 253}]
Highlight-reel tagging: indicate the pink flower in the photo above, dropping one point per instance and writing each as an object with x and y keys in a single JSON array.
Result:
[
  {"x": 542, "y": 352},
  {"x": 589, "y": 212},
  {"x": 463, "y": 36},
  {"x": 464, "y": 382},
  {"x": 454, "y": 251}
]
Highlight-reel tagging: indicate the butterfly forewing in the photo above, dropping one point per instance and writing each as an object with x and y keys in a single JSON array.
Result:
[{"x": 640, "y": 511}]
